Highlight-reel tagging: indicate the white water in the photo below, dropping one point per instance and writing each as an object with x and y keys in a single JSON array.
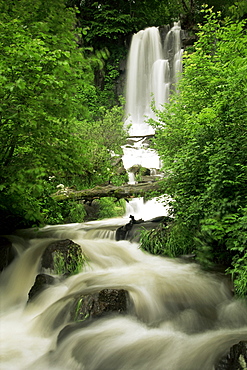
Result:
[
  {"x": 139, "y": 154},
  {"x": 152, "y": 72},
  {"x": 179, "y": 318},
  {"x": 149, "y": 209},
  {"x": 145, "y": 50}
]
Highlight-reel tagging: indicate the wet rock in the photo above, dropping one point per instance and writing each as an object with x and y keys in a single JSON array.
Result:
[
  {"x": 63, "y": 257},
  {"x": 93, "y": 306},
  {"x": 42, "y": 282},
  {"x": 92, "y": 209},
  {"x": 105, "y": 301},
  {"x": 138, "y": 169},
  {"x": 132, "y": 230},
  {"x": 6, "y": 253},
  {"x": 236, "y": 359}
]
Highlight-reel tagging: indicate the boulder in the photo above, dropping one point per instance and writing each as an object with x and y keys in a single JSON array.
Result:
[
  {"x": 132, "y": 230},
  {"x": 63, "y": 257},
  {"x": 236, "y": 359},
  {"x": 42, "y": 282},
  {"x": 103, "y": 302},
  {"x": 94, "y": 306}
]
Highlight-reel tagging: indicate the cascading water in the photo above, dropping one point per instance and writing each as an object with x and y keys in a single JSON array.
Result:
[
  {"x": 145, "y": 50},
  {"x": 179, "y": 318},
  {"x": 152, "y": 73}
]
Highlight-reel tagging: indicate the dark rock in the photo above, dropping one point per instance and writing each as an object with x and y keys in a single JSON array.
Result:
[
  {"x": 121, "y": 171},
  {"x": 92, "y": 210},
  {"x": 9, "y": 222},
  {"x": 135, "y": 168},
  {"x": 122, "y": 232},
  {"x": 105, "y": 301},
  {"x": 6, "y": 253},
  {"x": 94, "y": 306},
  {"x": 118, "y": 166},
  {"x": 132, "y": 230},
  {"x": 134, "y": 234},
  {"x": 42, "y": 282},
  {"x": 236, "y": 359},
  {"x": 164, "y": 219},
  {"x": 138, "y": 169},
  {"x": 69, "y": 253}
]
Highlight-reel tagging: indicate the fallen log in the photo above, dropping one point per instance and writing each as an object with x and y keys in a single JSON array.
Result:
[{"x": 120, "y": 192}]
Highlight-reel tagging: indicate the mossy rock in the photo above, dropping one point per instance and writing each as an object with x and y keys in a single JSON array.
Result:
[{"x": 64, "y": 257}]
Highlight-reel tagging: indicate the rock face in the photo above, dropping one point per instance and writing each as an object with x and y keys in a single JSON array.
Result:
[
  {"x": 84, "y": 306},
  {"x": 132, "y": 230}
]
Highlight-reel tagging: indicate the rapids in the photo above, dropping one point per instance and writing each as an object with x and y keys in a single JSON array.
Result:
[{"x": 179, "y": 317}]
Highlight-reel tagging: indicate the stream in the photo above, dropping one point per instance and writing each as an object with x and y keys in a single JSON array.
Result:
[{"x": 178, "y": 317}]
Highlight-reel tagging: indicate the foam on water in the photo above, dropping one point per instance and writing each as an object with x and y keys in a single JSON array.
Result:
[{"x": 179, "y": 318}]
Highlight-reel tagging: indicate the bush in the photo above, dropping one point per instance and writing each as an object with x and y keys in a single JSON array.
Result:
[{"x": 201, "y": 137}]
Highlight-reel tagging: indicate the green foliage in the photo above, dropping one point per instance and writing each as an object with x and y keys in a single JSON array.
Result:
[
  {"x": 238, "y": 10},
  {"x": 167, "y": 240},
  {"x": 78, "y": 314},
  {"x": 48, "y": 126},
  {"x": 154, "y": 241},
  {"x": 229, "y": 234},
  {"x": 202, "y": 140},
  {"x": 110, "y": 208},
  {"x": 110, "y": 77},
  {"x": 77, "y": 212},
  {"x": 239, "y": 274},
  {"x": 68, "y": 211},
  {"x": 190, "y": 10},
  {"x": 70, "y": 264},
  {"x": 113, "y": 20},
  {"x": 108, "y": 20}
]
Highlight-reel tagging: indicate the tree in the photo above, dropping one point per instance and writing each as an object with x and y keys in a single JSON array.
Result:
[
  {"x": 202, "y": 140},
  {"x": 47, "y": 90},
  {"x": 109, "y": 20},
  {"x": 190, "y": 10},
  {"x": 238, "y": 10}
]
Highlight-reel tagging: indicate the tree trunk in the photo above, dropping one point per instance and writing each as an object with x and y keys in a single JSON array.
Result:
[{"x": 119, "y": 192}]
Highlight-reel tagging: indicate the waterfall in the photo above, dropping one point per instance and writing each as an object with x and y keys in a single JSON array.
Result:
[
  {"x": 153, "y": 68},
  {"x": 160, "y": 80},
  {"x": 179, "y": 317},
  {"x": 145, "y": 50}
]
